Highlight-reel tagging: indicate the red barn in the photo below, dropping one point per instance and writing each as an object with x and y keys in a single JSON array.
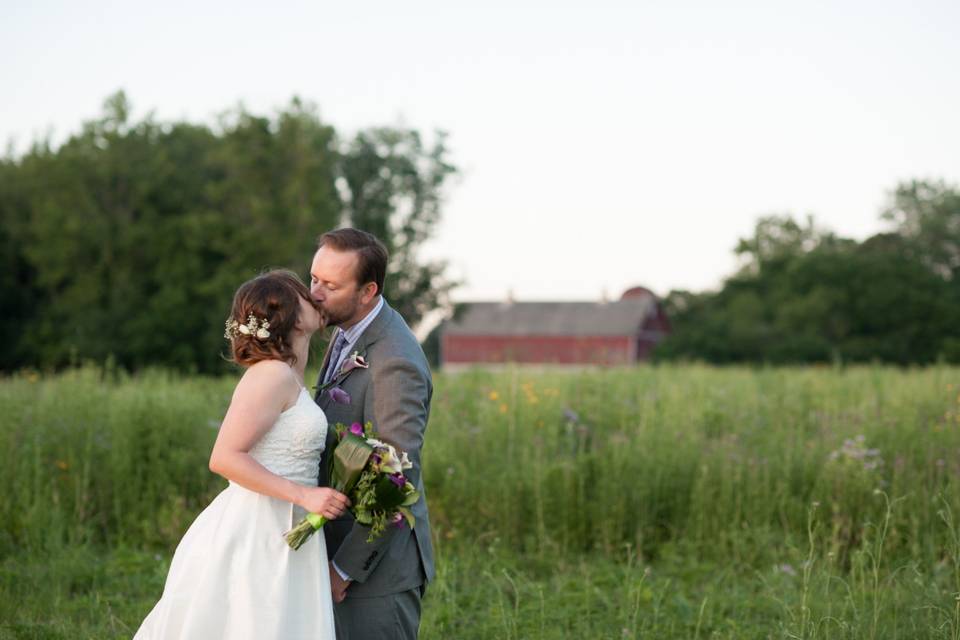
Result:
[{"x": 562, "y": 333}]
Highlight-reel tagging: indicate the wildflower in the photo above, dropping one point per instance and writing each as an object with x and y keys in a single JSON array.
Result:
[{"x": 855, "y": 449}]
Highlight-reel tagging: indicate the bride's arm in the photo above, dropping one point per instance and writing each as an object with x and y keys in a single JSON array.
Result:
[{"x": 258, "y": 400}]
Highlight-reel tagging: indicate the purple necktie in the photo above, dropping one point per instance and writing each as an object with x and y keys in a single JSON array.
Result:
[{"x": 338, "y": 346}]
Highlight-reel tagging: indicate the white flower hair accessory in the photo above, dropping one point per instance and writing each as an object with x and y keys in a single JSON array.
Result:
[{"x": 253, "y": 327}]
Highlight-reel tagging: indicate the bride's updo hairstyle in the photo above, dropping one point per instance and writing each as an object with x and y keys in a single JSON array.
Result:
[{"x": 263, "y": 317}]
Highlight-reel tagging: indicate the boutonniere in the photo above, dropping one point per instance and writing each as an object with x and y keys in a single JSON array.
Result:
[{"x": 354, "y": 361}]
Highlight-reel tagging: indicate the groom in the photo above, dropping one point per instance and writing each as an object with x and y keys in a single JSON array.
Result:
[{"x": 374, "y": 371}]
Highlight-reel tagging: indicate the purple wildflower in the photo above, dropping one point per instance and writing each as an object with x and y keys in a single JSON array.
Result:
[
  {"x": 356, "y": 429},
  {"x": 398, "y": 479}
]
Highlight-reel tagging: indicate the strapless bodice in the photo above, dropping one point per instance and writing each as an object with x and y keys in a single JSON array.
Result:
[{"x": 292, "y": 446}]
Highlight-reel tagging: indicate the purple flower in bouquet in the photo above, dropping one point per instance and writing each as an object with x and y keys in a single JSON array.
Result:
[{"x": 370, "y": 472}]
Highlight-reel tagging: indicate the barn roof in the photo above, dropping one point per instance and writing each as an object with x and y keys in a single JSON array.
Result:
[{"x": 620, "y": 318}]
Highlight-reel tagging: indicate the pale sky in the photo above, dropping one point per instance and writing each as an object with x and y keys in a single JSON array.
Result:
[{"x": 602, "y": 144}]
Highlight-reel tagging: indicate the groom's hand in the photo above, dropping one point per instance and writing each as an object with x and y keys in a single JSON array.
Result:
[{"x": 338, "y": 586}]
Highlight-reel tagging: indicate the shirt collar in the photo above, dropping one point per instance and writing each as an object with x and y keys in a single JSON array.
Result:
[{"x": 354, "y": 332}]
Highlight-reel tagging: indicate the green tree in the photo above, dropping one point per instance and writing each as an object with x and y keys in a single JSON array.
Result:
[
  {"x": 776, "y": 239},
  {"x": 19, "y": 293},
  {"x": 392, "y": 186},
  {"x": 927, "y": 214},
  {"x": 139, "y": 232},
  {"x": 128, "y": 240},
  {"x": 806, "y": 295}
]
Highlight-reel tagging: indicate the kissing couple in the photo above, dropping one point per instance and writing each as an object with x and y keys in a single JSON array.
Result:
[{"x": 233, "y": 574}]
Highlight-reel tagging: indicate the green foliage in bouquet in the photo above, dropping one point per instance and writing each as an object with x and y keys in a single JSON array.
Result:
[
  {"x": 377, "y": 495},
  {"x": 370, "y": 472},
  {"x": 382, "y": 495}
]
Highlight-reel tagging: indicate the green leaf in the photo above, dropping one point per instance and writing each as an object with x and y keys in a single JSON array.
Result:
[{"x": 349, "y": 459}]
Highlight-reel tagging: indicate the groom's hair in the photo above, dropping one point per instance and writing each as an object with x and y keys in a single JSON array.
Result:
[{"x": 372, "y": 254}]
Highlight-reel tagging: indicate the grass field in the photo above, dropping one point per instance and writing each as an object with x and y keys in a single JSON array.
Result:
[{"x": 667, "y": 502}]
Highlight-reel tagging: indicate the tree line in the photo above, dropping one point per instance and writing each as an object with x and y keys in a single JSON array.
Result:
[
  {"x": 806, "y": 295},
  {"x": 127, "y": 241}
]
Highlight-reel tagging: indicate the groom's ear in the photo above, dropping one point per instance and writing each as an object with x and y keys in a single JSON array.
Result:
[{"x": 368, "y": 292}]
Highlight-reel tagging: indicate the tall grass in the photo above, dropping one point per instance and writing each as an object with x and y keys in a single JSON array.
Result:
[
  {"x": 726, "y": 463},
  {"x": 678, "y": 501},
  {"x": 100, "y": 457}
]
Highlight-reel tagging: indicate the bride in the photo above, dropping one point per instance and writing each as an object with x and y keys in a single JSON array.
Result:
[{"x": 233, "y": 575}]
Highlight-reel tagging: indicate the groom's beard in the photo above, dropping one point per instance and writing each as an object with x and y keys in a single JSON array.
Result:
[
  {"x": 334, "y": 319},
  {"x": 336, "y": 316}
]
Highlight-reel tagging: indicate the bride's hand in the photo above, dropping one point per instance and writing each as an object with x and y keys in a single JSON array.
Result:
[{"x": 329, "y": 503}]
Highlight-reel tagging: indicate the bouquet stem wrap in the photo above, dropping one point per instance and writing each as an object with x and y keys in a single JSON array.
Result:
[{"x": 349, "y": 458}]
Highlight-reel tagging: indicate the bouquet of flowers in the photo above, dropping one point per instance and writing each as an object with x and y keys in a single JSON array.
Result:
[{"x": 370, "y": 472}]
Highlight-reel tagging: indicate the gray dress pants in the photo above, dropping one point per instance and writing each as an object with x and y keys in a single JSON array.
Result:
[{"x": 395, "y": 616}]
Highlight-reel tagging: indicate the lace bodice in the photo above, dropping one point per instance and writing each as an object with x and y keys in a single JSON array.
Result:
[{"x": 292, "y": 446}]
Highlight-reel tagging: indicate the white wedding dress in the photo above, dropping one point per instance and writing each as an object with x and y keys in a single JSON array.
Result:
[{"x": 233, "y": 575}]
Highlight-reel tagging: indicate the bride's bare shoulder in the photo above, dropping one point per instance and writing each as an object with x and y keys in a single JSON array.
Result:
[{"x": 267, "y": 377}]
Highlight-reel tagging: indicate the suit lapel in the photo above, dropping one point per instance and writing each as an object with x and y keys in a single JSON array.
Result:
[
  {"x": 376, "y": 328},
  {"x": 370, "y": 335},
  {"x": 318, "y": 397}
]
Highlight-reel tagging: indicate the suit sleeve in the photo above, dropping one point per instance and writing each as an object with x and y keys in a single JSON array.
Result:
[{"x": 400, "y": 400}]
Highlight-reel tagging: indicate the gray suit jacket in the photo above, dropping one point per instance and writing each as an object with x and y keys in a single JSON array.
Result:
[{"x": 394, "y": 394}]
